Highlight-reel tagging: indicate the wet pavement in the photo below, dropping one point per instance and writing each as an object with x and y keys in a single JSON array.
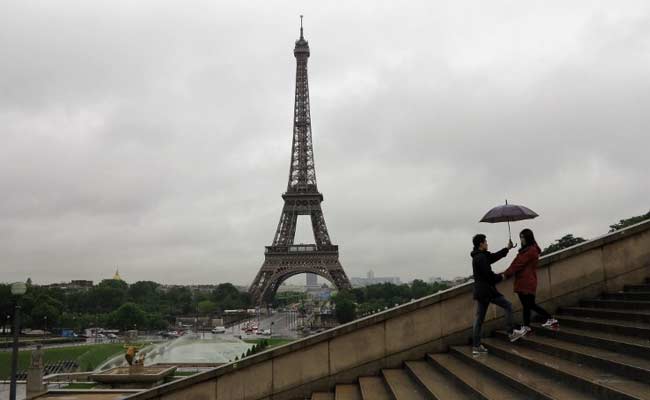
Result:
[{"x": 4, "y": 391}]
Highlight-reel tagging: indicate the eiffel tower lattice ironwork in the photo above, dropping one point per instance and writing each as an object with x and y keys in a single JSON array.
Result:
[{"x": 284, "y": 259}]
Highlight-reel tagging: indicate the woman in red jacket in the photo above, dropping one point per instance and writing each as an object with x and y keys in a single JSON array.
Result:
[{"x": 524, "y": 268}]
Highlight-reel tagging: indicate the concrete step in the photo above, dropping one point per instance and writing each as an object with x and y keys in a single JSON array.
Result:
[
  {"x": 625, "y": 365},
  {"x": 440, "y": 386},
  {"x": 616, "y": 304},
  {"x": 322, "y": 396},
  {"x": 636, "y": 346},
  {"x": 605, "y": 325},
  {"x": 636, "y": 288},
  {"x": 632, "y": 296},
  {"x": 534, "y": 384},
  {"x": 482, "y": 385},
  {"x": 604, "y": 313},
  {"x": 402, "y": 386},
  {"x": 597, "y": 382},
  {"x": 347, "y": 392},
  {"x": 374, "y": 388}
]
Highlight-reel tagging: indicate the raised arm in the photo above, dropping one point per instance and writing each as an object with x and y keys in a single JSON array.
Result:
[
  {"x": 494, "y": 257},
  {"x": 520, "y": 262}
]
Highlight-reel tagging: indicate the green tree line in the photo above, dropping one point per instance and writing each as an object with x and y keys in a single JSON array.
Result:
[
  {"x": 570, "y": 240},
  {"x": 357, "y": 302},
  {"x": 117, "y": 305}
]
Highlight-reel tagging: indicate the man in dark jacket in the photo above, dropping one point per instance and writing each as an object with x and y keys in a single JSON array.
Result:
[{"x": 485, "y": 291}]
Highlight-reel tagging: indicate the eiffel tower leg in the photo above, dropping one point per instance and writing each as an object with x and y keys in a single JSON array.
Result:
[{"x": 286, "y": 227}]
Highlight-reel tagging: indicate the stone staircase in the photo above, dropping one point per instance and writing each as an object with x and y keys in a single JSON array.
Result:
[{"x": 602, "y": 351}]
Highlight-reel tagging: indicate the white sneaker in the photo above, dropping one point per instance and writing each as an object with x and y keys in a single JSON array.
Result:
[
  {"x": 551, "y": 323},
  {"x": 517, "y": 334},
  {"x": 477, "y": 351}
]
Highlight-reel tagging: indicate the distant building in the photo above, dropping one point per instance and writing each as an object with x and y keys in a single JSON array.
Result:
[
  {"x": 436, "y": 279},
  {"x": 72, "y": 285},
  {"x": 194, "y": 288},
  {"x": 460, "y": 279},
  {"x": 371, "y": 279},
  {"x": 80, "y": 284},
  {"x": 203, "y": 288},
  {"x": 117, "y": 276},
  {"x": 312, "y": 280}
]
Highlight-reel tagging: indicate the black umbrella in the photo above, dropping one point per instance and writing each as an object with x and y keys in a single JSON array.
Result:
[{"x": 507, "y": 213}]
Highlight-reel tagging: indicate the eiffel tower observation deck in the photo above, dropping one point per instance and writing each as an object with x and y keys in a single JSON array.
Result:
[{"x": 284, "y": 259}]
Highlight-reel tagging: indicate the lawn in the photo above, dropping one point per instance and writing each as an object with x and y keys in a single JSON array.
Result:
[{"x": 89, "y": 357}]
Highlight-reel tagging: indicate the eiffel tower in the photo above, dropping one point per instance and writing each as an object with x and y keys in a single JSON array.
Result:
[{"x": 284, "y": 259}]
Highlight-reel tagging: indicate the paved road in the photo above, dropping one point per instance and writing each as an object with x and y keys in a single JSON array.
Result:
[{"x": 281, "y": 324}]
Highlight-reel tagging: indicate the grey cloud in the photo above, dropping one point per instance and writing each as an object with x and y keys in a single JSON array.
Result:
[{"x": 155, "y": 136}]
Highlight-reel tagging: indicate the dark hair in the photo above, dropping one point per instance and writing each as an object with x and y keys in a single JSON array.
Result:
[
  {"x": 478, "y": 239},
  {"x": 529, "y": 236}
]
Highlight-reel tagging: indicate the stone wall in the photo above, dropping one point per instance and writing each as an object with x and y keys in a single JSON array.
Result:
[{"x": 430, "y": 324}]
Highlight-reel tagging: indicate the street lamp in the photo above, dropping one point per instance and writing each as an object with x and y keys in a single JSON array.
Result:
[{"x": 17, "y": 289}]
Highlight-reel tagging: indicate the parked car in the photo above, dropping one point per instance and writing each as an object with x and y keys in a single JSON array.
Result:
[
  {"x": 219, "y": 329},
  {"x": 266, "y": 332}
]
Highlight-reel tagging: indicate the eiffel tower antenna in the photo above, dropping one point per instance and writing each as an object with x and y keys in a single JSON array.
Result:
[
  {"x": 301, "y": 26},
  {"x": 283, "y": 259}
]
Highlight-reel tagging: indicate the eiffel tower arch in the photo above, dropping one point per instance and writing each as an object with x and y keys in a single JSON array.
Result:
[{"x": 284, "y": 259}]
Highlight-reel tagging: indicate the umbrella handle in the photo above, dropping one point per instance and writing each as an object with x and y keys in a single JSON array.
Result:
[{"x": 509, "y": 233}]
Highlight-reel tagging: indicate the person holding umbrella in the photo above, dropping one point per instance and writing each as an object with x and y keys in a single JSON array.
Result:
[
  {"x": 485, "y": 291},
  {"x": 524, "y": 269}
]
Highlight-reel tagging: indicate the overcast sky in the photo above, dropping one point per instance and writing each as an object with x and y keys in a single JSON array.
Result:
[{"x": 155, "y": 136}]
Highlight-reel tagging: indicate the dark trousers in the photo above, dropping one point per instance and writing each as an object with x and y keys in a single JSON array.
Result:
[
  {"x": 528, "y": 302},
  {"x": 481, "y": 309}
]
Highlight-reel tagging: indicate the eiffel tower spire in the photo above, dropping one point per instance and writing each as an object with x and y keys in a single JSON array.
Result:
[
  {"x": 283, "y": 258},
  {"x": 302, "y": 173}
]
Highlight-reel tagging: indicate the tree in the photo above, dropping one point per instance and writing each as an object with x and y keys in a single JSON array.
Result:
[
  {"x": 624, "y": 223},
  {"x": 226, "y": 296},
  {"x": 206, "y": 307},
  {"x": 419, "y": 288},
  {"x": 105, "y": 297},
  {"x": 128, "y": 316},
  {"x": 45, "y": 315},
  {"x": 345, "y": 308},
  {"x": 178, "y": 301},
  {"x": 6, "y": 306},
  {"x": 155, "y": 321},
  {"x": 145, "y": 294},
  {"x": 283, "y": 299},
  {"x": 564, "y": 242},
  {"x": 114, "y": 284},
  {"x": 345, "y": 311}
]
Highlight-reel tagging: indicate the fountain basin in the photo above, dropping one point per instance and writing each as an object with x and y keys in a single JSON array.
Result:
[{"x": 134, "y": 376}]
